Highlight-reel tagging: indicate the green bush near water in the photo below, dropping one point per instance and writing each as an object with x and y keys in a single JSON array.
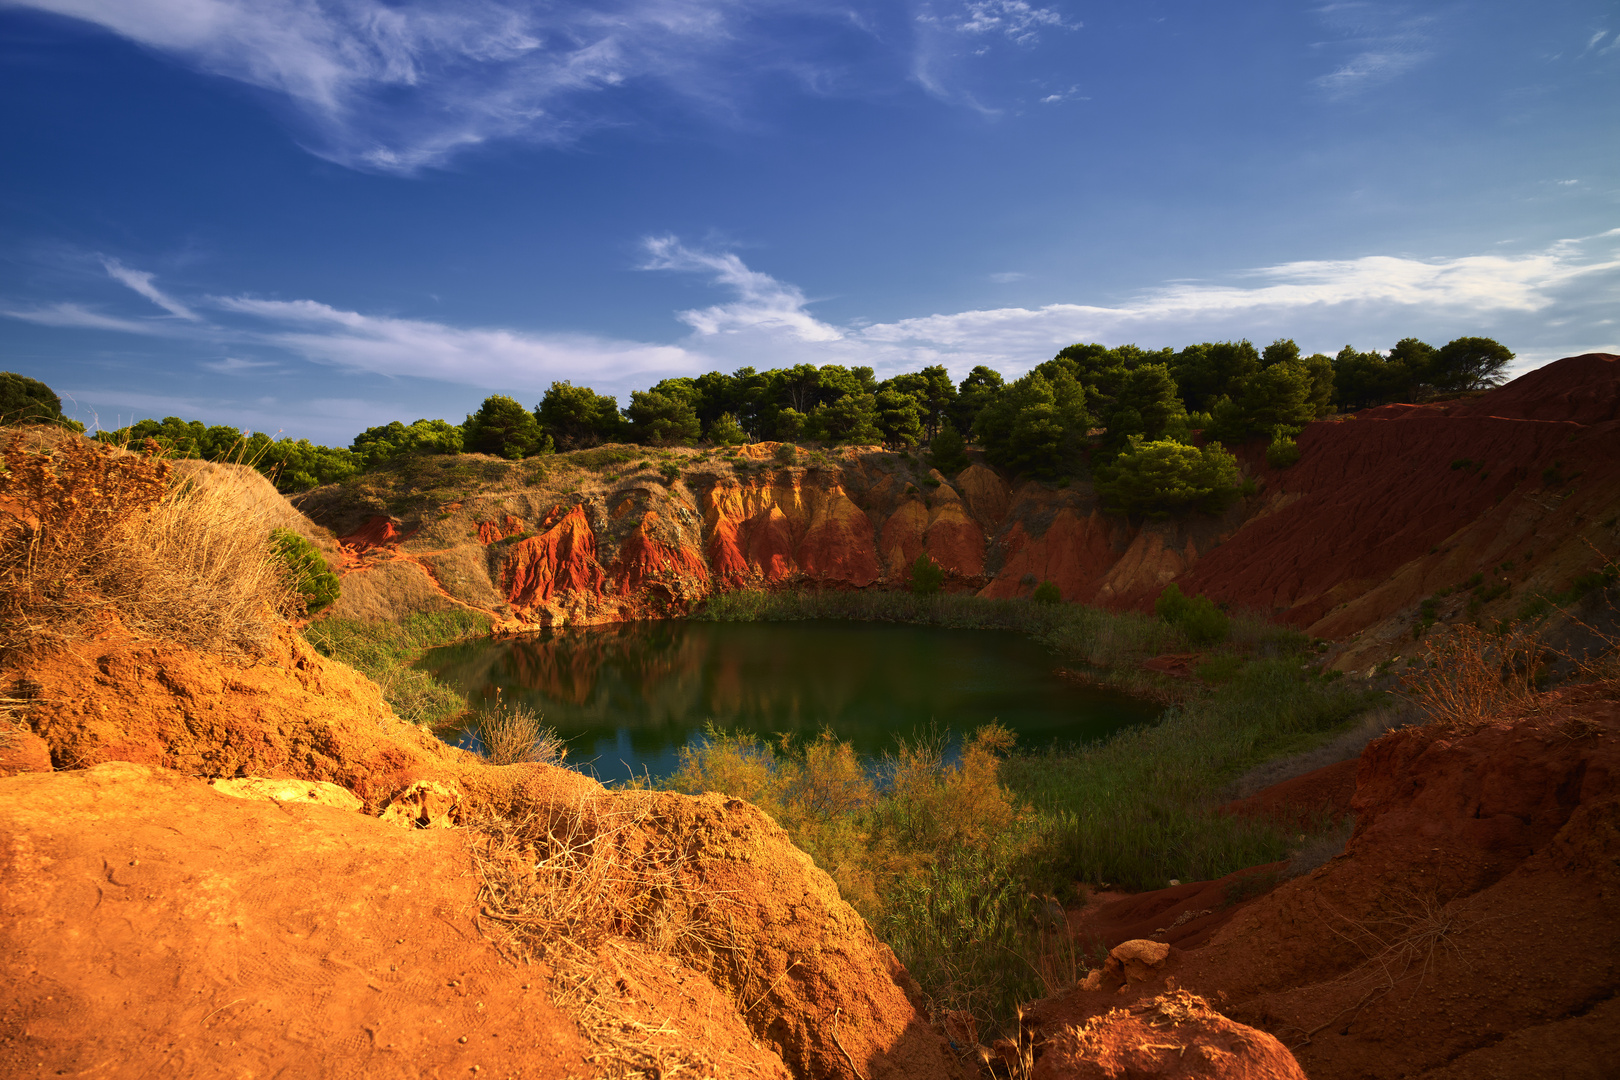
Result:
[
  {"x": 384, "y": 651},
  {"x": 307, "y": 570}
]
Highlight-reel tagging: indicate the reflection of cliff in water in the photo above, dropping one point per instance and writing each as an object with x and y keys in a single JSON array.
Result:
[{"x": 647, "y": 688}]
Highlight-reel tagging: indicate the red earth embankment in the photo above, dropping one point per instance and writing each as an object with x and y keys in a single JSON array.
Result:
[
  {"x": 1518, "y": 485},
  {"x": 1469, "y": 929}
]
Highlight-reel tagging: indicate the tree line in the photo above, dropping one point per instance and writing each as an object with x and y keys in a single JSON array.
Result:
[{"x": 1127, "y": 414}]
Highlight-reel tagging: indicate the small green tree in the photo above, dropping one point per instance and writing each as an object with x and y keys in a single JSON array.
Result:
[
  {"x": 790, "y": 424},
  {"x": 1160, "y": 478},
  {"x": 577, "y": 416},
  {"x": 658, "y": 419},
  {"x": 1047, "y": 592},
  {"x": 29, "y": 401},
  {"x": 948, "y": 451},
  {"x": 378, "y": 444},
  {"x": 504, "y": 428},
  {"x": 852, "y": 420},
  {"x": 306, "y": 570},
  {"x": 927, "y": 578},
  {"x": 725, "y": 431},
  {"x": 1282, "y": 451},
  {"x": 1469, "y": 363},
  {"x": 899, "y": 418}
]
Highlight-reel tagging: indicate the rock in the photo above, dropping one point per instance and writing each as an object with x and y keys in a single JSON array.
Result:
[
  {"x": 1175, "y": 1035},
  {"x": 1138, "y": 959},
  {"x": 425, "y": 805},
  {"x": 308, "y": 792},
  {"x": 1093, "y": 980}
]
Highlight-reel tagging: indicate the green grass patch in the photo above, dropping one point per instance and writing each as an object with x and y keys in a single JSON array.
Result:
[{"x": 384, "y": 651}]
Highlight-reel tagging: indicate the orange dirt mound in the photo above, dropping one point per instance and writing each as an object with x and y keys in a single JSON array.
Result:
[
  {"x": 375, "y": 533},
  {"x": 287, "y": 713},
  {"x": 1176, "y": 1034}
]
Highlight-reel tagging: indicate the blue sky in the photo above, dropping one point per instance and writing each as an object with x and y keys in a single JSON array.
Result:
[{"x": 310, "y": 216}]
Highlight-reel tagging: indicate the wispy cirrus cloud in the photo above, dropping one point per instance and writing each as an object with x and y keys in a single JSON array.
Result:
[
  {"x": 490, "y": 357},
  {"x": 396, "y": 87},
  {"x": 1385, "y": 41},
  {"x": 1015, "y": 20},
  {"x": 141, "y": 282}
]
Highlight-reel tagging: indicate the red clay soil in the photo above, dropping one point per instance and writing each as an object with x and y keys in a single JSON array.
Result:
[
  {"x": 1175, "y": 1035},
  {"x": 1305, "y": 803},
  {"x": 1449, "y": 489},
  {"x": 377, "y": 532},
  {"x": 1471, "y": 927}
]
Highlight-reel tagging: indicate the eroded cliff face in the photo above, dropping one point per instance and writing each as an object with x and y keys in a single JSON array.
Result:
[
  {"x": 1383, "y": 509},
  {"x": 578, "y": 550}
]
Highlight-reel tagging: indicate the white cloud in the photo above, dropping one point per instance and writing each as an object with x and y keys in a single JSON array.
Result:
[
  {"x": 482, "y": 357},
  {"x": 79, "y": 317},
  {"x": 1544, "y": 304},
  {"x": 231, "y": 365},
  {"x": 763, "y": 303},
  {"x": 141, "y": 282},
  {"x": 1016, "y": 19},
  {"x": 396, "y": 87}
]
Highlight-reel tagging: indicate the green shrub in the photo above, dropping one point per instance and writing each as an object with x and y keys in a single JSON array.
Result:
[
  {"x": 948, "y": 450},
  {"x": 926, "y": 576},
  {"x": 1197, "y": 617},
  {"x": 725, "y": 431},
  {"x": 786, "y": 454},
  {"x": 1172, "y": 604},
  {"x": 1282, "y": 452},
  {"x": 1047, "y": 593},
  {"x": 306, "y": 569},
  {"x": 1160, "y": 478}
]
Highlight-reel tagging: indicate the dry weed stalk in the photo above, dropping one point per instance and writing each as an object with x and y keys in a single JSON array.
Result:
[
  {"x": 511, "y": 733},
  {"x": 1419, "y": 928},
  {"x": 1471, "y": 678},
  {"x": 87, "y": 529},
  {"x": 565, "y": 882}
]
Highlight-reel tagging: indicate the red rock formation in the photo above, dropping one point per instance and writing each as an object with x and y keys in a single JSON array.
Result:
[
  {"x": 646, "y": 561},
  {"x": 561, "y": 559},
  {"x": 1176, "y": 1035},
  {"x": 377, "y": 532},
  {"x": 490, "y": 532},
  {"x": 771, "y": 530},
  {"x": 1074, "y": 553}
]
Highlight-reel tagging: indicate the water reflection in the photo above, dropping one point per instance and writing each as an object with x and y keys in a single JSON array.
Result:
[{"x": 628, "y": 697}]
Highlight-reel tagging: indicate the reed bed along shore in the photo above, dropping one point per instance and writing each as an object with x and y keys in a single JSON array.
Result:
[{"x": 960, "y": 861}]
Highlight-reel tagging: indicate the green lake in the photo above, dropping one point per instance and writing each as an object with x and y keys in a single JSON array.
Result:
[{"x": 628, "y": 697}]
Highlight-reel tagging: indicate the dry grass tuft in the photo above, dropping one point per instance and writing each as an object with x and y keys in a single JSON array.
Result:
[
  {"x": 511, "y": 733},
  {"x": 87, "y": 529},
  {"x": 1471, "y": 678},
  {"x": 564, "y": 883}
]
